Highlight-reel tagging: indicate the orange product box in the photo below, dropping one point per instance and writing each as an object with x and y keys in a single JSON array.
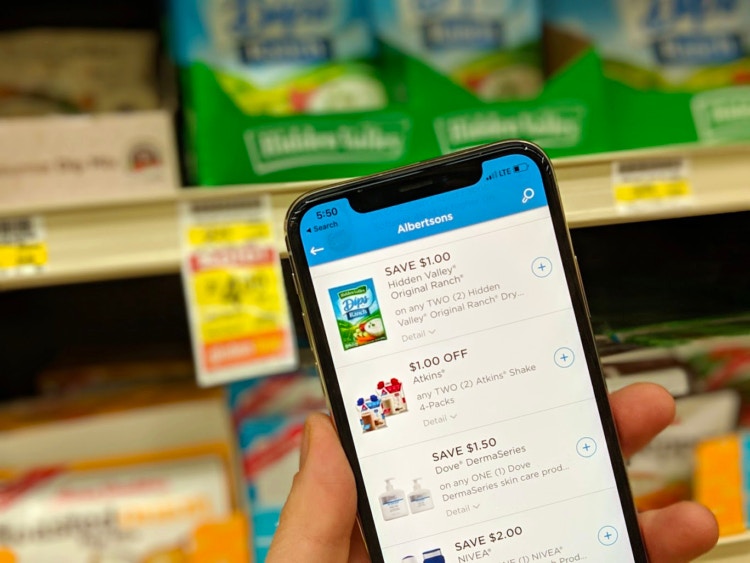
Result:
[{"x": 722, "y": 476}]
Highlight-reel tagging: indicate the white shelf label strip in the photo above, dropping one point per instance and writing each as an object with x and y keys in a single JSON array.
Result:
[{"x": 651, "y": 184}]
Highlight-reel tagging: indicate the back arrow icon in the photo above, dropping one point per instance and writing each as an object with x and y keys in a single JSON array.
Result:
[{"x": 314, "y": 251}]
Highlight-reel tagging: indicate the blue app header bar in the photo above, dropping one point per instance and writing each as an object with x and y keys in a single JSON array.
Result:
[{"x": 509, "y": 185}]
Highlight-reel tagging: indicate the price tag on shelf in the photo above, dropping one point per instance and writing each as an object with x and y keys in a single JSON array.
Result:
[
  {"x": 23, "y": 249},
  {"x": 651, "y": 183},
  {"x": 237, "y": 304}
]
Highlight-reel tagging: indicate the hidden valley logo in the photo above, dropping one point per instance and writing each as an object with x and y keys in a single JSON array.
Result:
[{"x": 357, "y": 314}]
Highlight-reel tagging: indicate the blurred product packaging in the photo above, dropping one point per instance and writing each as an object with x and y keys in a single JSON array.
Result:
[
  {"x": 722, "y": 474},
  {"x": 81, "y": 117},
  {"x": 661, "y": 474},
  {"x": 86, "y": 478},
  {"x": 269, "y": 416},
  {"x": 491, "y": 48},
  {"x": 676, "y": 72},
  {"x": 45, "y": 71},
  {"x": 705, "y": 364},
  {"x": 475, "y": 74},
  {"x": 286, "y": 90},
  {"x": 321, "y": 89}
]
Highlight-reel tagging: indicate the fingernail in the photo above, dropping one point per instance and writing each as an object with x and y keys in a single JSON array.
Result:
[{"x": 305, "y": 445}]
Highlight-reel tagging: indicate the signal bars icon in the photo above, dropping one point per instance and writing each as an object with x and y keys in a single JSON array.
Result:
[{"x": 515, "y": 169}]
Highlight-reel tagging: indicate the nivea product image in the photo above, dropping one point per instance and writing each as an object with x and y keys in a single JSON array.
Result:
[{"x": 433, "y": 556}]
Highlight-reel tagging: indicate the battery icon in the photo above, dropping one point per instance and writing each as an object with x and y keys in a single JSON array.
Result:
[{"x": 520, "y": 168}]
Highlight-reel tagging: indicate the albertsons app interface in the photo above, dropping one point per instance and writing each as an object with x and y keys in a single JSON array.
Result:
[{"x": 464, "y": 378}]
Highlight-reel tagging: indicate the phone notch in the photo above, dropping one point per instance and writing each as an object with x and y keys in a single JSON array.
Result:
[{"x": 417, "y": 184}]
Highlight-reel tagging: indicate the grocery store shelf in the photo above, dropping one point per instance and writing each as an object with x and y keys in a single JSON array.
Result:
[
  {"x": 122, "y": 239},
  {"x": 718, "y": 177},
  {"x": 181, "y": 425},
  {"x": 134, "y": 237}
]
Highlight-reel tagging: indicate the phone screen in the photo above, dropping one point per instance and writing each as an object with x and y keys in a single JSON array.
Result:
[{"x": 464, "y": 378}]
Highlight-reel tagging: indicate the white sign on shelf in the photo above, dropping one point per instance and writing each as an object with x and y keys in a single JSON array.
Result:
[
  {"x": 64, "y": 159},
  {"x": 237, "y": 304}
]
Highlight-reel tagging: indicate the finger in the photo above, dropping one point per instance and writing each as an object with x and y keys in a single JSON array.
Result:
[
  {"x": 317, "y": 519},
  {"x": 641, "y": 411},
  {"x": 678, "y": 533}
]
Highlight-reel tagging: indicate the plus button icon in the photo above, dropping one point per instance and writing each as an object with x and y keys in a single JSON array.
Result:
[
  {"x": 586, "y": 447},
  {"x": 564, "y": 357},
  {"x": 608, "y": 535},
  {"x": 541, "y": 267}
]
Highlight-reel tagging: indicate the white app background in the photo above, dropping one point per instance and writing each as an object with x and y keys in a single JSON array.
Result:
[{"x": 500, "y": 427}]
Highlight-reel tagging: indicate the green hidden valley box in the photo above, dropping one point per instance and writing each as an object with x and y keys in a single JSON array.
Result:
[
  {"x": 675, "y": 71},
  {"x": 296, "y": 90}
]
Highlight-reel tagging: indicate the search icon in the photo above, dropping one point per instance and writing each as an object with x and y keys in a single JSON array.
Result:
[{"x": 528, "y": 194}]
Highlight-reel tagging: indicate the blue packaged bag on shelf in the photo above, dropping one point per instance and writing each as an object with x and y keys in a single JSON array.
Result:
[
  {"x": 281, "y": 395},
  {"x": 269, "y": 416},
  {"x": 270, "y": 459}
]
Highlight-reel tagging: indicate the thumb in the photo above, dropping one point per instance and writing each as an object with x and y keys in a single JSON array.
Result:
[{"x": 317, "y": 520}]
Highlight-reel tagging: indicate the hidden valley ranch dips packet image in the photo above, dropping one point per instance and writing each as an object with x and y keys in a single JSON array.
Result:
[{"x": 358, "y": 314}]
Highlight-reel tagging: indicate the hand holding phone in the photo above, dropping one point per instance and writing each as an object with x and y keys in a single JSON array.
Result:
[
  {"x": 318, "y": 518},
  {"x": 453, "y": 340}
]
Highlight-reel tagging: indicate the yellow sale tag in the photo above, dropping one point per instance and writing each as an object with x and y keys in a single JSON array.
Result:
[
  {"x": 228, "y": 234},
  {"x": 629, "y": 193},
  {"x": 239, "y": 314},
  {"x": 23, "y": 250},
  {"x": 258, "y": 287},
  {"x": 655, "y": 182},
  {"x": 15, "y": 257}
]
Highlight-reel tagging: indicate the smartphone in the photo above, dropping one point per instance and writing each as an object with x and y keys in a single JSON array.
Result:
[{"x": 451, "y": 331}]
